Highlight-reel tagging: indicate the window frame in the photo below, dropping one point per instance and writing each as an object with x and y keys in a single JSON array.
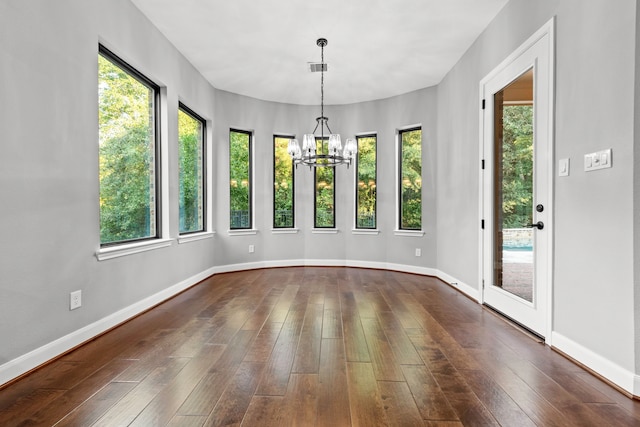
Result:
[
  {"x": 293, "y": 186},
  {"x": 324, "y": 143},
  {"x": 157, "y": 148},
  {"x": 399, "y": 176},
  {"x": 205, "y": 225},
  {"x": 375, "y": 203},
  {"x": 250, "y": 173}
]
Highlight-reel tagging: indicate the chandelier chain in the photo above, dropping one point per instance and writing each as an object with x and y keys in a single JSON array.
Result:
[{"x": 322, "y": 88}]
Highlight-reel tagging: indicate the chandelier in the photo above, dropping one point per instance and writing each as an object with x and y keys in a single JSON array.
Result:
[{"x": 335, "y": 154}]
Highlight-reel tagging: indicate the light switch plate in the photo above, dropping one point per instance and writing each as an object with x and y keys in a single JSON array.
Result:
[
  {"x": 598, "y": 160},
  {"x": 563, "y": 167}
]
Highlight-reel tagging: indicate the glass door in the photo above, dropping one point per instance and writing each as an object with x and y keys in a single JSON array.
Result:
[{"x": 516, "y": 185}]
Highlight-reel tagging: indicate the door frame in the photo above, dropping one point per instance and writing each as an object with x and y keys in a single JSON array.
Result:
[{"x": 548, "y": 29}]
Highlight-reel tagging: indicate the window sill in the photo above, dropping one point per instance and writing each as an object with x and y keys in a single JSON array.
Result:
[
  {"x": 132, "y": 248},
  {"x": 324, "y": 230},
  {"x": 243, "y": 232},
  {"x": 409, "y": 233},
  {"x": 372, "y": 231},
  {"x": 284, "y": 230},
  {"x": 195, "y": 237}
]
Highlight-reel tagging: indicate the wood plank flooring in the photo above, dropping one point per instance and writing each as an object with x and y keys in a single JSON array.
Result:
[{"x": 314, "y": 346}]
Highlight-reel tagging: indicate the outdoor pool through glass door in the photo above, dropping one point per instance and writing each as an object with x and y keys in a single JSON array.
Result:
[{"x": 513, "y": 188}]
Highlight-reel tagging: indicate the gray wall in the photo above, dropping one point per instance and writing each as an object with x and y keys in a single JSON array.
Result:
[
  {"x": 384, "y": 117},
  {"x": 594, "y": 285},
  {"x": 593, "y": 290},
  {"x": 49, "y": 167},
  {"x": 49, "y": 170}
]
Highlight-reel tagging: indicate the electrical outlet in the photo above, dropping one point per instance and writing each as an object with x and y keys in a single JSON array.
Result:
[
  {"x": 75, "y": 300},
  {"x": 252, "y": 249},
  {"x": 418, "y": 252}
]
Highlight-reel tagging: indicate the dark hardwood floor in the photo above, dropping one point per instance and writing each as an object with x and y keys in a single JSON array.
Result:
[{"x": 315, "y": 347}]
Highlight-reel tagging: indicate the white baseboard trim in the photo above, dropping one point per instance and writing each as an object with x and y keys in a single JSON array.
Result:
[
  {"x": 470, "y": 291},
  {"x": 619, "y": 376},
  {"x": 29, "y": 361},
  {"x": 239, "y": 267},
  {"x": 413, "y": 269}
]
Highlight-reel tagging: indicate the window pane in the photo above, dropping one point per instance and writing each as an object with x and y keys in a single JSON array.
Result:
[
  {"x": 366, "y": 182},
  {"x": 411, "y": 179},
  {"x": 126, "y": 115},
  {"x": 191, "y": 165},
  {"x": 325, "y": 215},
  {"x": 283, "y": 189},
  {"x": 240, "y": 179}
]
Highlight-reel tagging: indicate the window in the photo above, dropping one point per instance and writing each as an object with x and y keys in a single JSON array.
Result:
[
  {"x": 191, "y": 155},
  {"x": 240, "y": 179},
  {"x": 325, "y": 196},
  {"x": 128, "y": 152},
  {"x": 283, "y": 185},
  {"x": 366, "y": 179},
  {"x": 410, "y": 182}
]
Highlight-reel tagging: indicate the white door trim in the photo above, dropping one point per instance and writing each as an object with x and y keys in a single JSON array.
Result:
[{"x": 548, "y": 29}]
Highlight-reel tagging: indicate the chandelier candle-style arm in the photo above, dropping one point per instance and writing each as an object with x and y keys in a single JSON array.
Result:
[{"x": 335, "y": 154}]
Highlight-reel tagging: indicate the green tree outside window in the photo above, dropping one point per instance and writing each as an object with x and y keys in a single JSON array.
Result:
[
  {"x": 240, "y": 179},
  {"x": 283, "y": 186},
  {"x": 517, "y": 165},
  {"x": 366, "y": 182},
  {"x": 127, "y": 165},
  {"x": 411, "y": 179},
  {"x": 191, "y": 171},
  {"x": 325, "y": 216}
]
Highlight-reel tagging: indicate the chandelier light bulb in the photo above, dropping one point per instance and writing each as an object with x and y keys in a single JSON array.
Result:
[
  {"x": 294, "y": 149},
  {"x": 350, "y": 149},
  {"x": 309, "y": 143},
  {"x": 335, "y": 144}
]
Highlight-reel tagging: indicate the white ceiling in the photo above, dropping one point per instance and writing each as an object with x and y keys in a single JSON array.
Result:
[{"x": 376, "y": 49}]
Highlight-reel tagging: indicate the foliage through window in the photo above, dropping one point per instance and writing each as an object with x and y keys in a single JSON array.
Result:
[
  {"x": 191, "y": 154},
  {"x": 240, "y": 179},
  {"x": 325, "y": 197},
  {"x": 366, "y": 180},
  {"x": 517, "y": 158},
  {"x": 410, "y": 179},
  {"x": 283, "y": 185},
  {"x": 127, "y": 114}
]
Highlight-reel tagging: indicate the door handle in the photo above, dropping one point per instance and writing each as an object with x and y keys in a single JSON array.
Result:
[{"x": 539, "y": 225}]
